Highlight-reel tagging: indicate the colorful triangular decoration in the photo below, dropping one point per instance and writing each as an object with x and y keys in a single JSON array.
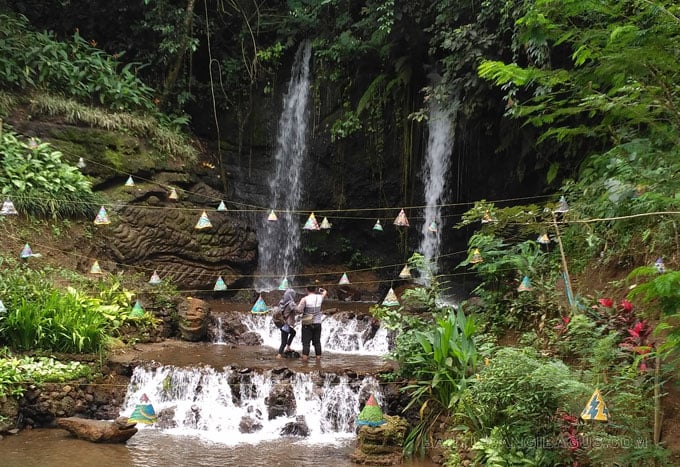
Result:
[
  {"x": 3, "y": 309},
  {"x": 311, "y": 223},
  {"x": 173, "y": 194},
  {"x": 222, "y": 207},
  {"x": 325, "y": 225},
  {"x": 95, "y": 269},
  {"x": 596, "y": 409},
  {"x": 284, "y": 284},
  {"x": 220, "y": 286},
  {"x": 543, "y": 239},
  {"x": 144, "y": 412},
  {"x": 476, "y": 257},
  {"x": 203, "y": 222},
  {"x": 8, "y": 208},
  {"x": 137, "y": 310},
  {"x": 272, "y": 216},
  {"x": 102, "y": 217},
  {"x": 525, "y": 285},
  {"x": 378, "y": 226},
  {"x": 405, "y": 273},
  {"x": 390, "y": 298},
  {"x": 562, "y": 205},
  {"x": 344, "y": 280},
  {"x": 260, "y": 306},
  {"x": 155, "y": 278},
  {"x": 81, "y": 163},
  {"x": 371, "y": 414},
  {"x": 26, "y": 252},
  {"x": 401, "y": 220},
  {"x": 660, "y": 267},
  {"x": 433, "y": 227},
  {"x": 130, "y": 181}
]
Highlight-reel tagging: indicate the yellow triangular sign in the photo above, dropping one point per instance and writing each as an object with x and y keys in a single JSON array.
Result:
[{"x": 596, "y": 409}]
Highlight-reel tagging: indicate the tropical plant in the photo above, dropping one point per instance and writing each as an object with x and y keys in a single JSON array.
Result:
[{"x": 16, "y": 373}]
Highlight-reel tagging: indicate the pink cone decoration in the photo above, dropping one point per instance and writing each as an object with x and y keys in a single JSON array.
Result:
[
  {"x": 401, "y": 220},
  {"x": 344, "y": 280}
]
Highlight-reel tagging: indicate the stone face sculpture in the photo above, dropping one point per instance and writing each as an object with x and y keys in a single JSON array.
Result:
[
  {"x": 194, "y": 315},
  {"x": 99, "y": 431},
  {"x": 381, "y": 445}
]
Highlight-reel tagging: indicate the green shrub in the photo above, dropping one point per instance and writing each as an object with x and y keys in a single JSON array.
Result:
[{"x": 17, "y": 373}]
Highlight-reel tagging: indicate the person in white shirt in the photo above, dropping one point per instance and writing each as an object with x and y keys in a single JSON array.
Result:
[{"x": 310, "y": 307}]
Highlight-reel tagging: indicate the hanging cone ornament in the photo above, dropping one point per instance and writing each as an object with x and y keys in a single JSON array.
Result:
[
  {"x": 378, "y": 226},
  {"x": 102, "y": 217},
  {"x": 476, "y": 257},
  {"x": 203, "y": 222},
  {"x": 311, "y": 223},
  {"x": 3, "y": 309},
  {"x": 660, "y": 267},
  {"x": 284, "y": 284},
  {"x": 405, "y": 273},
  {"x": 222, "y": 207},
  {"x": 487, "y": 218},
  {"x": 81, "y": 163},
  {"x": 220, "y": 286},
  {"x": 344, "y": 280},
  {"x": 137, "y": 310},
  {"x": 543, "y": 239},
  {"x": 325, "y": 225},
  {"x": 95, "y": 269},
  {"x": 390, "y": 298},
  {"x": 130, "y": 181},
  {"x": 260, "y": 306},
  {"x": 272, "y": 216},
  {"x": 8, "y": 208},
  {"x": 155, "y": 278},
  {"x": 401, "y": 220},
  {"x": 525, "y": 285},
  {"x": 173, "y": 194},
  {"x": 144, "y": 412},
  {"x": 596, "y": 409},
  {"x": 433, "y": 227},
  {"x": 562, "y": 205},
  {"x": 371, "y": 414}
]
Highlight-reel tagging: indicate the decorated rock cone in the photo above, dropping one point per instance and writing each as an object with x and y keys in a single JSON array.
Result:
[
  {"x": 272, "y": 216},
  {"x": 220, "y": 286},
  {"x": 144, "y": 412},
  {"x": 95, "y": 269},
  {"x": 137, "y": 310},
  {"x": 344, "y": 280},
  {"x": 378, "y": 226},
  {"x": 371, "y": 414},
  {"x": 203, "y": 222},
  {"x": 8, "y": 208},
  {"x": 222, "y": 207},
  {"x": 325, "y": 225},
  {"x": 401, "y": 220},
  {"x": 596, "y": 409},
  {"x": 155, "y": 278},
  {"x": 130, "y": 181},
  {"x": 405, "y": 272},
  {"x": 525, "y": 285},
  {"x": 284, "y": 284},
  {"x": 260, "y": 306},
  {"x": 311, "y": 223},
  {"x": 102, "y": 217},
  {"x": 390, "y": 298}
]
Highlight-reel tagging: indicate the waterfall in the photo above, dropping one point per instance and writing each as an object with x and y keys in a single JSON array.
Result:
[
  {"x": 212, "y": 404},
  {"x": 279, "y": 241},
  {"x": 438, "y": 158},
  {"x": 351, "y": 336}
]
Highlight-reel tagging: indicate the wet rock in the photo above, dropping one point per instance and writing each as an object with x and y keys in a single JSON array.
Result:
[
  {"x": 251, "y": 338},
  {"x": 281, "y": 401},
  {"x": 249, "y": 425},
  {"x": 166, "y": 419},
  {"x": 231, "y": 326},
  {"x": 99, "y": 431},
  {"x": 194, "y": 315},
  {"x": 297, "y": 428}
]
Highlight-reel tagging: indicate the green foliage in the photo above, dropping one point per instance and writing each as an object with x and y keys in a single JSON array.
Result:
[
  {"x": 16, "y": 373},
  {"x": 39, "y": 183}
]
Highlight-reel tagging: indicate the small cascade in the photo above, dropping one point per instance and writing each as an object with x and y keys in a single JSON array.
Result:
[
  {"x": 213, "y": 404},
  {"x": 351, "y": 336},
  {"x": 218, "y": 332}
]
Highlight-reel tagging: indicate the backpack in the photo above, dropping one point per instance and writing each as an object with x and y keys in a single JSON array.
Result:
[{"x": 277, "y": 317}]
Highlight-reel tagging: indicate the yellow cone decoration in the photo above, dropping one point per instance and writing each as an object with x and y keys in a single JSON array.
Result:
[
  {"x": 476, "y": 257},
  {"x": 311, "y": 223},
  {"x": 596, "y": 409},
  {"x": 344, "y": 280},
  {"x": 405, "y": 273},
  {"x": 102, "y": 217},
  {"x": 203, "y": 222},
  {"x": 95, "y": 269},
  {"x": 173, "y": 194},
  {"x": 390, "y": 298},
  {"x": 401, "y": 220},
  {"x": 272, "y": 216},
  {"x": 487, "y": 217},
  {"x": 325, "y": 225}
]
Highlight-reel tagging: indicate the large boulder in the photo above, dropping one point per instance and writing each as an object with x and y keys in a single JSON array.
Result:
[
  {"x": 99, "y": 431},
  {"x": 281, "y": 401},
  {"x": 297, "y": 428},
  {"x": 194, "y": 315}
]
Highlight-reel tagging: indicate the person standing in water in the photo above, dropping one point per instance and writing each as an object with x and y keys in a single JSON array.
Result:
[
  {"x": 287, "y": 308},
  {"x": 310, "y": 307}
]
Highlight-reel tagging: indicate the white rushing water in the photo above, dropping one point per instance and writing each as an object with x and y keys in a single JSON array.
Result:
[
  {"x": 350, "y": 336},
  {"x": 435, "y": 172},
  {"x": 279, "y": 241},
  {"x": 211, "y": 404}
]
